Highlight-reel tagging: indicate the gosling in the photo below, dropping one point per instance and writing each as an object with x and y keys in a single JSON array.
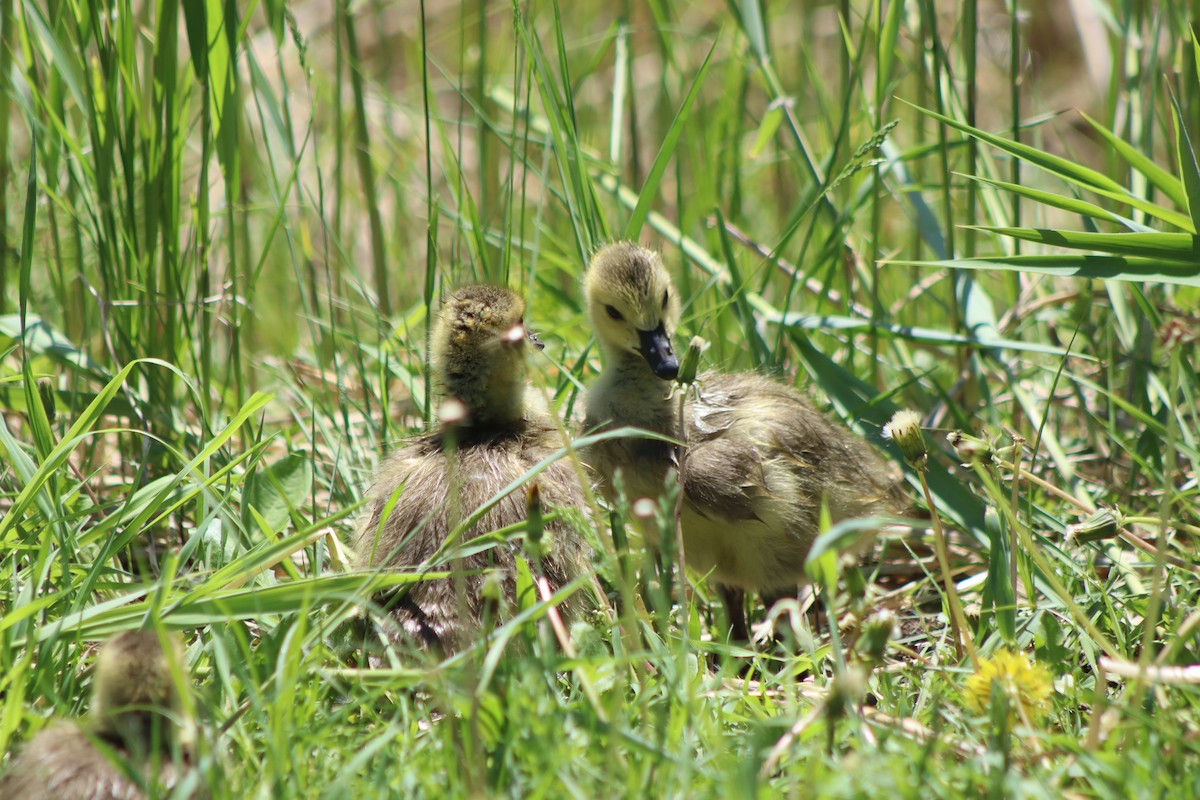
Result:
[
  {"x": 759, "y": 460},
  {"x": 478, "y": 355},
  {"x": 135, "y": 725}
]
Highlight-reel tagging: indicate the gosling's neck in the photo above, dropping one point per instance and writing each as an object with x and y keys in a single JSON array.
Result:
[
  {"x": 493, "y": 399},
  {"x": 141, "y": 730},
  {"x": 629, "y": 393}
]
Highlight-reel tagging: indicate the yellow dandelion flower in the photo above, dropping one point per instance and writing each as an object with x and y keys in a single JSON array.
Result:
[{"x": 1026, "y": 683}]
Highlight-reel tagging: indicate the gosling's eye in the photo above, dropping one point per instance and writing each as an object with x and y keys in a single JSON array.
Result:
[
  {"x": 666, "y": 294},
  {"x": 614, "y": 314}
]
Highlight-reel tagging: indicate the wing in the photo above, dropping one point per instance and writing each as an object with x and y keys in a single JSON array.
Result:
[{"x": 757, "y": 449}]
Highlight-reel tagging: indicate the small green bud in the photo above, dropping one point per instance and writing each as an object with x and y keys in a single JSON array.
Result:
[
  {"x": 535, "y": 524},
  {"x": 492, "y": 589},
  {"x": 46, "y": 391},
  {"x": 856, "y": 582},
  {"x": 691, "y": 360},
  {"x": 878, "y": 630},
  {"x": 452, "y": 412},
  {"x": 905, "y": 430},
  {"x": 1100, "y": 524},
  {"x": 845, "y": 692},
  {"x": 643, "y": 508},
  {"x": 970, "y": 449}
]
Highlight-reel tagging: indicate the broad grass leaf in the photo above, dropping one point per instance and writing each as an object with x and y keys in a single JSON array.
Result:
[
  {"x": 1065, "y": 168},
  {"x": 1072, "y": 204},
  {"x": 1162, "y": 180},
  {"x": 1098, "y": 267},
  {"x": 1188, "y": 168},
  {"x": 277, "y": 489},
  {"x": 1183, "y": 247}
]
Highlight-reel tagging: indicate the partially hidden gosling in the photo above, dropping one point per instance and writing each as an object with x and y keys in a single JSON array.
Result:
[
  {"x": 439, "y": 479},
  {"x": 135, "y": 727},
  {"x": 759, "y": 460}
]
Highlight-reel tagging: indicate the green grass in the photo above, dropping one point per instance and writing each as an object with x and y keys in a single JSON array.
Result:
[{"x": 223, "y": 238}]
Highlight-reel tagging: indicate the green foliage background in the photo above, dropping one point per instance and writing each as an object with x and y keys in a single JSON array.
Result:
[{"x": 225, "y": 227}]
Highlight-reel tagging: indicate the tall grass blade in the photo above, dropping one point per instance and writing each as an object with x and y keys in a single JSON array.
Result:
[
  {"x": 1097, "y": 267},
  {"x": 1189, "y": 170},
  {"x": 1158, "y": 177},
  {"x": 1171, "y": 246},
  {"x": 649, "y": 190},
  {"x": 1056, "y": 165},
  {"x": 366, "y": 167}
]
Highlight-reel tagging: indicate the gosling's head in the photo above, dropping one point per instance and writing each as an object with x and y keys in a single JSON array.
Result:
[
  {"x": 633, "y": 305},
  {"x": 134, "y": 683},
  {"x": 479, "y": 353}
]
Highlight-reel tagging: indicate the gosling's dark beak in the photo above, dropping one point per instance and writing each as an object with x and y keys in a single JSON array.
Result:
[
  {"x": 656, "y": 349},
  {"x": 534, "y": 340}
]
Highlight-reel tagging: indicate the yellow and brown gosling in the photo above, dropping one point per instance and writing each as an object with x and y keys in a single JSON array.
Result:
[
  {"x": 759, "y": 460},
  {"x": 135, "y": 739},
  {"x": 439, "y": 479}
]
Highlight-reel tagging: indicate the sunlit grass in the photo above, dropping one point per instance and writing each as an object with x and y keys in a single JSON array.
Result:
[{"x": 224, "y": 239}]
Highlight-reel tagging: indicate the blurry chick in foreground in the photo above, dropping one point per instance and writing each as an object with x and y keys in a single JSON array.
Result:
[
  {"x": 439, "y": 479},
  {"x": 133, "y": 740},
  {"x": 759, "y": 460}
]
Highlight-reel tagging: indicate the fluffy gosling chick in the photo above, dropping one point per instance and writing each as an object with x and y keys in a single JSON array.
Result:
[
  {"x": 478, "y": 352},
  {"x": 134, "y": 722},
  {"x": 759, "y": 459}
]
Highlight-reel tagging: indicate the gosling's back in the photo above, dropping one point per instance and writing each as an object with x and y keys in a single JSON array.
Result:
[
  {"x": 439, "y": 479},
  {"x": 132, "y": 726},
  {"x": 761, "y": 457},
  {"x": 63, "y": 762}
]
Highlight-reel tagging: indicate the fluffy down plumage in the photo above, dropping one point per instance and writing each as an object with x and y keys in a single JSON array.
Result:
[
  {"x": 134, "y": 728},
  {"x": 759, "y": 460},
  {"x": 441, "y": 478}
]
